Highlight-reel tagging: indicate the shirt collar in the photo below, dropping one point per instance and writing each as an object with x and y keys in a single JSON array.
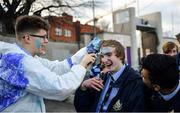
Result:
[
  {"x": 116, "y": 75},
  {"x": 27, "y": 52},
  {"x": 171, "y": 95}
]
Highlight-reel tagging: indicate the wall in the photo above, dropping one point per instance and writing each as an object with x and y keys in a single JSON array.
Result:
[
  {"x": 63, "y": 24},
  {"x": 7, "y": 38},
  {"x": 124, "y": 22},
  {"x": 66, "y": 23}
]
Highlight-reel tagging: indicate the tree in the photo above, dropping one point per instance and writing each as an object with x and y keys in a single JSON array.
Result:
[{"x": 11, "y": 9}]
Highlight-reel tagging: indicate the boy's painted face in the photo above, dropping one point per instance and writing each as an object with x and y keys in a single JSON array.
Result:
[
  {"x": 109, "y": 59},
  {"x": 40, "y": 41}
]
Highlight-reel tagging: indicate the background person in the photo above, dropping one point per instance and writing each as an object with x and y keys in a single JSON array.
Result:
[
  {"x": 178, "y": 39},
  {"x": 170, "y": 48}
]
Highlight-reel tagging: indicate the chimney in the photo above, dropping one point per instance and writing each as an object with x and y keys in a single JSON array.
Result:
[{"x": 67, "y": 17}]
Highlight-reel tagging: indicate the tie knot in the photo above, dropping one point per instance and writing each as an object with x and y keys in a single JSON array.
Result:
[
  {"x": 112, "y": 79},
  {"x": 109, "y": 74}
]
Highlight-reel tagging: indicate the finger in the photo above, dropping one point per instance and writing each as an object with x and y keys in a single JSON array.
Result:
[
  {"x": 96, "y": 88},
  {"x": 98, "y": 78},
  {"x": 98, "y": 85},
  {"x": 93, "y": 55},
  {"x": 101, "y": 83},
  {"x": 93, "y": 59},
  {"x": 98, "y": 81}
]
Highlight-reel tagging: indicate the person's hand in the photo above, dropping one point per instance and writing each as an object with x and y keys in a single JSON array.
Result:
[
  {"x": 87, "y": 60},
  {"x": 95, "y": 83}
]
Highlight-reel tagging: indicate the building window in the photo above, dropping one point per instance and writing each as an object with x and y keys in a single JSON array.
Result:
[
  {"x": 58, "y": 31},
  {"x": 67, "y": 33}
]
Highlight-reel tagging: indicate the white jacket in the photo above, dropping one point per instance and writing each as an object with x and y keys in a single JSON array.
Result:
[{"x": 47, "y": 79}]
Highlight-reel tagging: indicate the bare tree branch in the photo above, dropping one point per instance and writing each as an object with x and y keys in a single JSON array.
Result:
[
  {"x": 2, "y": 11},
  {"x": 24, "y": 10},
  {"x": 7, "y": 3},
  {"x": 11, "y": 9}
]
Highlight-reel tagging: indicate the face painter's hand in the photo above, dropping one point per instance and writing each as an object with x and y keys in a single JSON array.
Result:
[{"x": 87, "y": 60}]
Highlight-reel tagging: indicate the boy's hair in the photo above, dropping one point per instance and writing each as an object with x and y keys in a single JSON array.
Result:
[
  {"x": 119, "y": 49},
  {"x": 163, "y": 70},
  {"x": 29, "y": 24},
  {"x": 168, "y": 46}
]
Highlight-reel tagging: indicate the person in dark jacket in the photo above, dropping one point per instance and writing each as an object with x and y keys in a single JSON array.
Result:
[
  {"x": 121, "y": 90},
  {"x": 160, "y": 73}
]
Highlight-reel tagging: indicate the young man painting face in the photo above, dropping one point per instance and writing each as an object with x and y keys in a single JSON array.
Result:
[
  {"x": 32, "y": 34},
  {"x": 36, "y": 43}
]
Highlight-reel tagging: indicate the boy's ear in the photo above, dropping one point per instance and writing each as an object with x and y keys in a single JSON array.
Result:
[
  {"x": 156, "y": 87},
  {"x": 26, "y": 39}
]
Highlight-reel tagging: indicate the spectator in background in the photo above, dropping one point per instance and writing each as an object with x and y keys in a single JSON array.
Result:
[
  {"x": 25, "y": 79},
  {"x": 178, "y": 39},
  {"x": 178, "y": 55},
  {"x": 170, "y": 48},
  {"x": 160, "y": 73},
  {"x": 121, "y": 90}
]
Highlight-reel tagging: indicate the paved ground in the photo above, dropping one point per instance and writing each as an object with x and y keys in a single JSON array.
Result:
[{"x": 56, "y": 106}]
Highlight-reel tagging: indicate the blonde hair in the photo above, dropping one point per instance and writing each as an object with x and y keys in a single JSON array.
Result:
[{"x": 168, "y": 46}]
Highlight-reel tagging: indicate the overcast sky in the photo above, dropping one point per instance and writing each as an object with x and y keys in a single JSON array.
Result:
[{"x": 170, "y": 10}]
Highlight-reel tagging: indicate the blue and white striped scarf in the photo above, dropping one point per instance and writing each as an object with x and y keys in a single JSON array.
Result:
[{"x": 12, "y": 79}]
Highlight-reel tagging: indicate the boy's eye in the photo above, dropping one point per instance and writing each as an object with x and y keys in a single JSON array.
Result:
[
  {"x": 108, "y": 54},
  {"x": 101, "y": 56}
]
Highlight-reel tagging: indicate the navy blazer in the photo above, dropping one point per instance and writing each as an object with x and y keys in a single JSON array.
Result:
[{"x": 158, "y": 104}]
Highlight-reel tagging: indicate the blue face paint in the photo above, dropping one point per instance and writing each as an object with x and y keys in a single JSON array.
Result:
[
  {"x": 38, "y": 43},
  {"x": 105, "y": 50}
]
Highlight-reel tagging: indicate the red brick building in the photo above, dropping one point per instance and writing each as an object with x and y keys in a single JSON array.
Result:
[{"x": 63, "y": 29}]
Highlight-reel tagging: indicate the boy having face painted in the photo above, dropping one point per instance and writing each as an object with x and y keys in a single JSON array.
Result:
[{"x": 121, "y": 90}]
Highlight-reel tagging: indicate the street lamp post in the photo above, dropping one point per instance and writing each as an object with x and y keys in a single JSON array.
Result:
[{"x": 94, "y": 20}]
